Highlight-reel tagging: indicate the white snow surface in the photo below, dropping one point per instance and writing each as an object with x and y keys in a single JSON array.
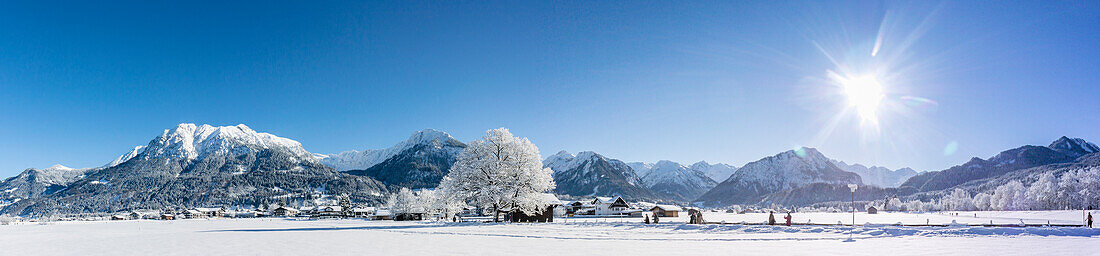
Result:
[
  {"x": 575, "y": 236},
  {"x": 360, "y": 160},
  {"x": 191, "y": 142}
]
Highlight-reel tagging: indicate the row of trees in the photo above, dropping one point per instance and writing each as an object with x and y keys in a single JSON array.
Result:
[
  {"x": 500, "y": 173},
  {"x": 1075, "y": 189}
]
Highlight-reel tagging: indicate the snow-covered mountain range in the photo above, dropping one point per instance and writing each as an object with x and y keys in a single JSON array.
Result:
[
  {"x": 590, "y": 174},
  {"x": 361, "y": 160},
  {"x": 785, "y": 170},
  {"x": 674, "y": 181},
  {"x": 717, "y": 172},
  {"x": 202, "y": 166},
  {"x": 878, "y": 175},
  {"x": 420, "y": 161},
  {"x": 1063, "y": 150}
]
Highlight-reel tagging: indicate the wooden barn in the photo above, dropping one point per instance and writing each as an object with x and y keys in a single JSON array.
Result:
[
  {"x": 664, "y": 210},
  {"x": 545, "y": 215}
]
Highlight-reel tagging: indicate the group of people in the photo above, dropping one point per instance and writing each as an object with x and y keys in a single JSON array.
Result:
[
  {"x": 694, "y": 217},
  {"x": 771, "y": 218}
]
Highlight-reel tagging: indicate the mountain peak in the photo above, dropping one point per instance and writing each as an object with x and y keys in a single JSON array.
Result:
[
  {"x": 668, "y": 163},
  {"x": 59, "y": 167},
  {"x": 190, "y": 141},
  {"x": 361, "y": 160},
  {"x": 1073, "y": 146}
]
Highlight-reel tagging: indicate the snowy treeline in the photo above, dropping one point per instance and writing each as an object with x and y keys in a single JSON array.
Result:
[{"x": 1075, "y": 189}]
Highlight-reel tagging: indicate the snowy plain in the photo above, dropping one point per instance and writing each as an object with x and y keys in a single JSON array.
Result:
[{"x": 575, "y": 236}]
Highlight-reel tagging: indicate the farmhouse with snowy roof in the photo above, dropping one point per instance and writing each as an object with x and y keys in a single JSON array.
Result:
[
  {"x": 547, "y": 214},
  {"x": 285, "y": 211},
  {"x": 664, "y": 210},
  {"x": 610, "y": 205}
]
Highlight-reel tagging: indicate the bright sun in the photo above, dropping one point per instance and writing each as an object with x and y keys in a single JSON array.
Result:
[{"x": 864, "y": 94}]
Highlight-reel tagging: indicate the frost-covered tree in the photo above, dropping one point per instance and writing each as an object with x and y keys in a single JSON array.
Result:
[
  {"x": 1011, "y": 196},
  {"x": 957, "y": 200},
  {"x": 981, "y": 201},
  {"x": 894, "y": 204},
  {"x": 1043, "y": 193},
  {"x": 500, "y": 172},
  {"x": 404, "y": 201}
]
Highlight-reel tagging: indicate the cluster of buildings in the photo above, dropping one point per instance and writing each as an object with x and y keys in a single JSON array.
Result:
[
  {"x": 319, "y": 212},
  {"x": 617, "y": 206},
  {"x": 595, "y": 207}
]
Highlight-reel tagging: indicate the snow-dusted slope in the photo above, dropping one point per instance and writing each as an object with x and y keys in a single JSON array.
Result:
[
  {"x": 674, "y": 181},
  {"x": 33, "y": 183},
  {"x": 878, "y": 175},
  {"x": 126, "y": 157},
  {"x": 361, "y": 160},
  {"x": 716, "y": 172},
  {"x": 201, "y": 166},
  {"x": 591, "y": 174},
  {"x": 1063, "y": 150},
  {"x": 785, "y": 170},
  {"x": 640, "y": 168},
  {"x": 418, "y": 162}
]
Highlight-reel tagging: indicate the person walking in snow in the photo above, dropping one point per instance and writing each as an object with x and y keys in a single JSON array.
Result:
[
  {"x": 788, "y": 219},
  {"x": 647, "y": 219},
  {"x": 1089, "y": 219},
  {"x": 656, "y": 219},
  {"x": 771, "y": 218}
]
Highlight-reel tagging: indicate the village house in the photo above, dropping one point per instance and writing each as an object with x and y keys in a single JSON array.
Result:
[
  {"x": 285, "y": 211},
  {"x": 382, "y": 214},
  {"x": 192, "y": 214},
  {"x": 664, "y": 210},
  {"x": 211, "y": 212},
  {"x": 545, "y": 215},
  {"x": 609, "y": 205},
  {"x": 363, "y": 212},
  {"x": 327, "y": 212}
]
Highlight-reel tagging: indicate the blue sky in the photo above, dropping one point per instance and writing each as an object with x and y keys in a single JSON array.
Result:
[{"x": 81, "y": 83}]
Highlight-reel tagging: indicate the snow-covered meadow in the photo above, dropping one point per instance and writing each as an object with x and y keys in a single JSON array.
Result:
[{"x": 577, "y": 236}]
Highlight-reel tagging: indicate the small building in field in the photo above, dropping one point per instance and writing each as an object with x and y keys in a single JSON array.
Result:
[
  {"x": 211, "y": 212},
  {"x": 546, "y": 214},
  {"x": 167, "y": 216},
  {"x": 192, "y": 214},
  {"x": 664, "y": 210},
  {"x": 872, "y": 210},
  {"x": 285, "y": 211},
  {"x": 328, "y": 212},
  {"x": 363, "y": 212},
  {"x": 382, "y": 214},
  {"x": 120, "y": 217},
  {"x": 609, "y": 205},
  {"x": 148, "y": 215},
  {"x": 580, "y": 208}
]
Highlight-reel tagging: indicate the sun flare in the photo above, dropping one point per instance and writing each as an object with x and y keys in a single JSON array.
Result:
[{"x": 865, "y": 94}]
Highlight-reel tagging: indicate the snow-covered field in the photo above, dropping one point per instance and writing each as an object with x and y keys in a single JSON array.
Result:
[
  {"x": 884, "y": 218},
  {"x": 272, "y": 236}
]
